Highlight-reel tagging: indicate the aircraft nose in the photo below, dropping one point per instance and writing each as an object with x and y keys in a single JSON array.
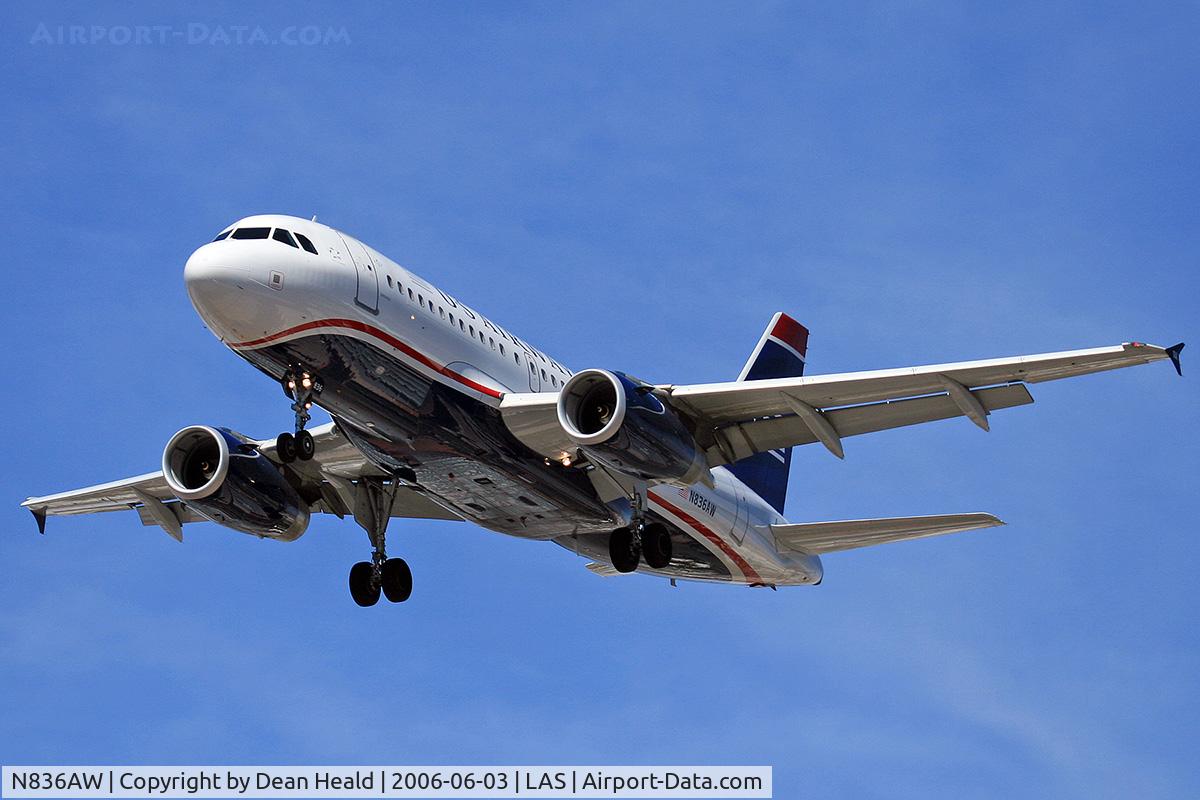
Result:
[
  {"x": 205, "y": 266},
  {"x": 223, "y": 294}
]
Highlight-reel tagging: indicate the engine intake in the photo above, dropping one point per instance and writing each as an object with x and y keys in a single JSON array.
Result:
[
  {"x": 620, "y": 422},
  {"x": 227, "y": 480}
]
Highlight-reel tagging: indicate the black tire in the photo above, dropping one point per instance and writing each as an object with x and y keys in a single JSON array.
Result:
[
  {"x": 397, "y": 580},
  {"x": 621, "y": 552},
  {"x": 362, "y": 588},
  {"x": 656, "y": 545},
  {"x": 305, "y": 446},
  {"x": 285, "y": 447}
]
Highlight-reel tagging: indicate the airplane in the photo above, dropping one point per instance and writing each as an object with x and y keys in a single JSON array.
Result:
[{"x": 440, "y": 413}]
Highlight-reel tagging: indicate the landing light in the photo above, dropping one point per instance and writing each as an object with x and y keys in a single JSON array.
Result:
[{"x": 307, "y": 382}]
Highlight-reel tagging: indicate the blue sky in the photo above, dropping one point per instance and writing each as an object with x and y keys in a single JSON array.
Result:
[{"x": 635, "y": 186}]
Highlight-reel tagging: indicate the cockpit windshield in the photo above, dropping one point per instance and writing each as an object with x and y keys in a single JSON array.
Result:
[
  {"x": 279, "y": 235},
  {"x": 251, "y": 233}
]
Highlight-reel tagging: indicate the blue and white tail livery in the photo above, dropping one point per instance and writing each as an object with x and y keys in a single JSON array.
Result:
[
  {"x": 440, "y": 413},
  {"x": 780, "y": 353}
]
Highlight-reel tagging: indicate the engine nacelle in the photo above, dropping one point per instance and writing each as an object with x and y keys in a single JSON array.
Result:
[
  {"x": 227, "y": 480},
  {"x": 619, "y": 422}
]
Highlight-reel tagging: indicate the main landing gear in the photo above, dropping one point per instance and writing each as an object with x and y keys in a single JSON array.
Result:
[
  {"x": 640, "y": 540},
  {"x": 301, "y": 388},
  {"x": 390, "y": 577}
]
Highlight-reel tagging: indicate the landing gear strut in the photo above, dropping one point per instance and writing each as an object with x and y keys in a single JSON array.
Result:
[
  {"x": 641, "y": 539},
  {"x": 301, "y": 387},
  {"x": 389, "y": 576}
]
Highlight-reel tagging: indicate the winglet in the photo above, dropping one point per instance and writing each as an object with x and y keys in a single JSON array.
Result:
[
  {"x": 1173, "y": 354},
  {"x": 40, "y": 515}
]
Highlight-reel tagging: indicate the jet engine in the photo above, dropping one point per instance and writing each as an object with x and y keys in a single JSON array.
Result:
[
  {"x": 621, "y": 423},
  {"x": 227, "y": 480}
]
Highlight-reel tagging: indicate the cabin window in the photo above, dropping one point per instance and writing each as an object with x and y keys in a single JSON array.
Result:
[{"x": 389, "y": 277}]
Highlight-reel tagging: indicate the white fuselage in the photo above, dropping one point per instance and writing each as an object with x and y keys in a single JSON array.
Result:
[{"x": 260, "y": 292}]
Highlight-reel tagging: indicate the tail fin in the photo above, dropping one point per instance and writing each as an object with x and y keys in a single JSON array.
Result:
[{"x": 780, "y": 354}]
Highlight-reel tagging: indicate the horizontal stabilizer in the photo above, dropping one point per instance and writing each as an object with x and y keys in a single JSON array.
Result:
[{"x": 816, "y": 538}]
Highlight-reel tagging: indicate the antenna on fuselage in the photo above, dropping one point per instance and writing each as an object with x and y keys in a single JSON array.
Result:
[{"x": 314, "y": 219}]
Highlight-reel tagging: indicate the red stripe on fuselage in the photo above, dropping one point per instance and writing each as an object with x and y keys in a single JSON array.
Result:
[
  {"x": 382, "y": 336},
  {"x": 734, "y": 555}
]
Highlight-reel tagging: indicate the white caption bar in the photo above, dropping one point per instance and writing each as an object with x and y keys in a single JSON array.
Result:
[{"x": 361, "y": 782}]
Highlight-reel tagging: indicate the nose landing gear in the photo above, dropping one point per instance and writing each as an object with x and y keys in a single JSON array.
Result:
[{"x": 301, "y": 387}]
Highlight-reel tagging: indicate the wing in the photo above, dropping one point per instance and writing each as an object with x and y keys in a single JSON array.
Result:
[
  {"x": 817, "y": 538},
  {"x": 738, "y": 419},
  {"x": 326, "y": 482}
]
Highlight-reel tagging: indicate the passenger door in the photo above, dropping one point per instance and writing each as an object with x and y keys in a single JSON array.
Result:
[{"x": 367, "y": 291}]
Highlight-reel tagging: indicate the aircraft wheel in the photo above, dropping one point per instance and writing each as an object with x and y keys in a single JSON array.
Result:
[
  {"x": 656, "y": 545},
  {"x": 397, "y": 580},
  {"x": 362, "y": 586},
  {"x": 305, "y": 446},
  {"x": 285, "y": 447},
  {"x": 621, "y": 550}
]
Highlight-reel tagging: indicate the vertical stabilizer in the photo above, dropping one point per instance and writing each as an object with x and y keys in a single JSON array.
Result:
[{"x": 780, "y": 354}]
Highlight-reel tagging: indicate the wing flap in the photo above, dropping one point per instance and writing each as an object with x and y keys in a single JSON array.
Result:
[
  {"x": 743, "y": 439},
  {"x": 184, "y": 514},
  {"x": 817, "y": 538}
]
